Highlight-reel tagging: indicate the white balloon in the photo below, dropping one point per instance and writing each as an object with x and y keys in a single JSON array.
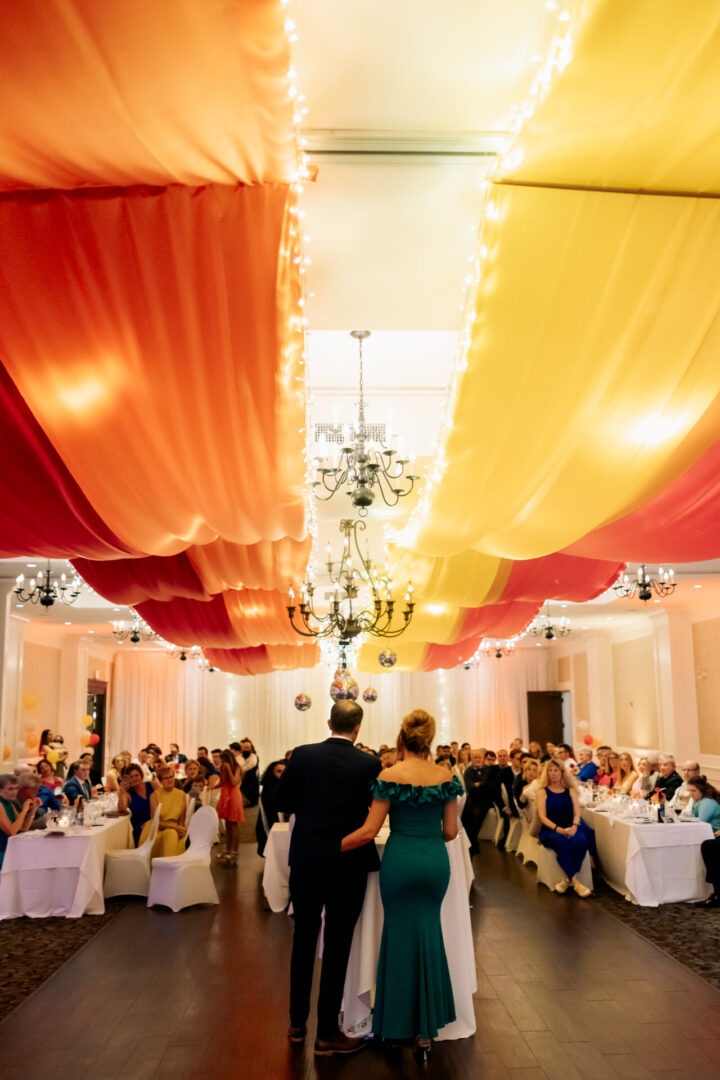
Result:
[{"x": 584, "y": 725}]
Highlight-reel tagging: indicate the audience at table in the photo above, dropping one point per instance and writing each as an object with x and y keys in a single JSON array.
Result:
[
  {"x": 114, "y": 773},
  {"x": 78, "y": 786},
  {"x": 47, "y": 776},
  {"x": 562, "y": 830},
  {"x": 647, "y": 776},
  {"x": 705, "y": 801},
  {"x": 134, "y": 795},
  {"x": 586, "y": 769},
  {"x": 669, "y": 779},
  {"x": 626, "y": 775},
  {"x": 681, "y": 798},
  {"x": 15, "y": 817}
]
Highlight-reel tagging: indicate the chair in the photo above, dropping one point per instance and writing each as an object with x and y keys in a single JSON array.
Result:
[
  {"x": 179, "y": 881},
  {"x": 127, "y": 873},
  {"x": 190, "y": 805},
  {"x": 550, "y": 874},
  {"x": 528, "y": 848},
  {"x": 514, "y": 834},
  {"x": 489, "y": 825}
]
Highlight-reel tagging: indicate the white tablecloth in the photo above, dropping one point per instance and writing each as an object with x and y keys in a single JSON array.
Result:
[
  {"x": 651, "y": 864},
  {"x": 59, "y": 875},
  {"x": 362, "y": 966}
]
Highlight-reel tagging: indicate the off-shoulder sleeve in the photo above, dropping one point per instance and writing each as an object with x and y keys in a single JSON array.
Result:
[{"x": 390, "y": 791}]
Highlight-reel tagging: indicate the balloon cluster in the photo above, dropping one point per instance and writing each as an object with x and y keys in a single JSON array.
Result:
[
  {"x": 303, "y": 702},
  {"x": 387, "y": 658},
  {"x": 344, "y": 687},
  {"x": 370, "y": 695}
]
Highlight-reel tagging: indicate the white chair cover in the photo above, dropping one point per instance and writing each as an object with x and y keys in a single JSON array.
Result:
[
  {"x": 514, "y": 834},
  {"x": 127, "y": 873},
  {"x": 528, "y": 848},
  {"x": 190, "y": 805},
  {"x": 489, "y": 825},
  {"x": 550, "y": 874},
  {"x": 179, "y": 881}
]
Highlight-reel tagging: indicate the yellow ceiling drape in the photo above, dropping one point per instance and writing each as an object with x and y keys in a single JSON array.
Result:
[
  {"x": 593, "y": 356},
  {"x": 637, "y": 106}
]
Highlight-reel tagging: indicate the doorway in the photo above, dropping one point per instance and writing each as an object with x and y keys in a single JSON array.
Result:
[
  {"x": 96, "y": 707},
  {"x": 548, "y": 711}
]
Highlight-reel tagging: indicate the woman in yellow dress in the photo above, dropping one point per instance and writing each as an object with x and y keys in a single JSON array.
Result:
[{"x": 171, "y": 837}]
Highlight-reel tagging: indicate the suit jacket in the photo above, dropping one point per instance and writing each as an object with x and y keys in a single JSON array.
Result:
[
  {"x": 475, "y": 774},
  {"x": 181, "y": 758},
  {"x": 75, "y": 787},
  {"x": 326, "y": 786},
  {"x": 505, "y": 778}
]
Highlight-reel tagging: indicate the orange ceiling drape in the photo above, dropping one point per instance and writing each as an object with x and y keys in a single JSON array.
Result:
[
  {"x": 148, "y": 332},
  {"x": 264, "y": 658},
  {"x": 144, "y": 92}
]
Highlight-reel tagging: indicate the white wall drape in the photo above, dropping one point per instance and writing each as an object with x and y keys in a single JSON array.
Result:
[{"x": 160, "y": 699}]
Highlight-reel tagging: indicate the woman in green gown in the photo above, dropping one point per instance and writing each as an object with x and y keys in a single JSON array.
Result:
[{"x": 413, "y": 997}]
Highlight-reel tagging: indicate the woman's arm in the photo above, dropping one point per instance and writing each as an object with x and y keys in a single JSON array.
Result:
[
  {"x": 10, "y": 828},
  {"x": 30, "y": 813},
  {"x": 450, "y": 825},
  {"x": 576, "y": 814},
  {"x": 367, "y": 832},
  {"x": 123, "y": 796}
]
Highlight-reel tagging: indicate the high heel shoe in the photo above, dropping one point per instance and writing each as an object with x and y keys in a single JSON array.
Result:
[
  {"x": 562, "y": 886},
  {"x": 580, "y": 889},
  {"x": 422, "y": 1050}
]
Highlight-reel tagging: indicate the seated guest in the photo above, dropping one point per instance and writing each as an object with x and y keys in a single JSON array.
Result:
[
  {"x": 669, "y": 779},
  {"x": 14, "y": 817},
  {"x": 626, "y": 775},
  {"x": 644, "y": 785},
  {"x": 194, "y": 783},
  {"x": 250, "y": 765},
  {"x": 212, "y": 775},
  {"x": 30, "y": 788},
  {"x": 603, "y": 775},
  {"x": 454, "y": 751},
  {"x": 145, "y": 759},
  {"x": 550, "y": 749},
  {"x": 710, "y": 851},
  {"x": 705, "y": 802},
  {"x": 586, "y": 768},
  {"x": 268, "y": 811},
  {"x": 175, "y": 757},
  {"x": 463, "y": 759},
  {"x": 535, "y": 749},
  {"x": 47, "y": 776},
  {"x": 516, "y": 744},
  {"x": 171, "y": 837},
  {"x": 387, "y": 757},
  {"x": 562, "y": 830},
  {"x": 134, "y": 795},
  {"x": 94, "y": 774},
  {"x": 565, "y": 754},
  {"x": 217, "y": 759},
  {"x": 78, "y": 784},
  {"x": 681, "y": 799},
  {"x": 526, "y": 799},
  {"x": 613, "y": 768},
  {"x": 202, "y": 751},
  {"x": 114, "y": 773}
]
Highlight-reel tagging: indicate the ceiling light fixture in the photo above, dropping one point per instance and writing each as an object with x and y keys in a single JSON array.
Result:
[
  {"x": 136, "y": 631},
  {"x": 362, "y": 601},
  {"x": 367, "y": 465},
  {"x": 542, "y": 625},
  {"x": 44, "y": 591},
  {"x": 643, "y": 585}
]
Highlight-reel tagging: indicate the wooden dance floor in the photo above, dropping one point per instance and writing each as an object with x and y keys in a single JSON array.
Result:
[{"x": 565, "y": 993}]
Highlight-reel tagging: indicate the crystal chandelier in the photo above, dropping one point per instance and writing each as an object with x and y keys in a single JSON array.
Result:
[
  {"x": 497, "y": 649},
  {"x": 368, "y": 466},
  {"x": 136, "y": 631},
  {"x": 542, "y": 626},
  {"x": 44, "y": 591},
  {"x": 362, "y": 600},
  {"x": 643, "y": 585}
]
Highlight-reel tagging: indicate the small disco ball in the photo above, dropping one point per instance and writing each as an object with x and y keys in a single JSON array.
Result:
[
  {"x": 387, "y": 658},
  {"x": 344, "y": 688},
  {"x": 370, "y": 694},
  {"x": 303, "y": 702}
]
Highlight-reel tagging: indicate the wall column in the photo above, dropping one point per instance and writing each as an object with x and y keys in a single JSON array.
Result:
[
  {"x": 677, "y": 700},
  {"x": 12, "y": 631},
  {"x": 73, "y": 692}
]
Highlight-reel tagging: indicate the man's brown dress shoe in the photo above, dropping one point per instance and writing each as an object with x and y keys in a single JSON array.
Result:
[{"x": 339, "y": 1044}]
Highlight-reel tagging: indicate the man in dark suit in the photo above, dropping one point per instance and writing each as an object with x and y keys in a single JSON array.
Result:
[
  {"x": 480, "y": 794},
  {"x": 503, "y": 781},
  {"x": 327, "y": 786}
]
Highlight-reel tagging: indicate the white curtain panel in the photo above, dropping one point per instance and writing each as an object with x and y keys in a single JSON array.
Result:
[{"x": 158, "y": 698}]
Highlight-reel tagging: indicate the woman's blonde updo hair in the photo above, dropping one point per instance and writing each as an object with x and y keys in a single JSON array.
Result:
[{"x": 417, "y": 732}]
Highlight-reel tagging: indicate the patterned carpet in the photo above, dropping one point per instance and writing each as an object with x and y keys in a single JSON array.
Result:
[
  {"x": 32, "y": 949},
  {"x": 682, "y": 931}
]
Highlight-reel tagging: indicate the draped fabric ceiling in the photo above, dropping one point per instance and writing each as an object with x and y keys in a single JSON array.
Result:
[
  {"x": 591, "y": 367},
  {"x": 152, "y": 384}
]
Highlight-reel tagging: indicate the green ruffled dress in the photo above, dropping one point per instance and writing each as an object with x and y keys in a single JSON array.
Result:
[{"x": 413, "y": 995}]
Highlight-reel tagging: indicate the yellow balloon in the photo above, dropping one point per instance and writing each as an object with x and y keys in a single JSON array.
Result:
[
  {"x": 87, "y": 720},
  {"x": 53, "y": 757},
  {"x": 6, "y": 752},
  {"x": 30, "y": 701}
]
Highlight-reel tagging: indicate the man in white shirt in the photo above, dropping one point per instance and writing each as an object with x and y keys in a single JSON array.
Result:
[{"x": 681, "y": 799}]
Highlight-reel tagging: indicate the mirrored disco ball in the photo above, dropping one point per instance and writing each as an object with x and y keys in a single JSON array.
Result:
[
  {"x": 344, "y": 688},
  {"x": 370, "y": 694},
  {"x": 303, "y": 702},
  {"x": 387, "y": 658}
]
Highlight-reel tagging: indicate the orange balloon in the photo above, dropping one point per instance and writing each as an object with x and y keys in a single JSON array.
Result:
[
  {"x": 86, "y": 721},
  {"x": 29, "y": 723},
  {"x": 85, "y": 740},
  {"x": 6, "y": 752}
]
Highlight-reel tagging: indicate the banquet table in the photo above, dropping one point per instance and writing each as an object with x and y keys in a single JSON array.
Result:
[
  {"x": 362, "y": 965},
  {"x": 651, "y": 864},
  {"x": 45, "y": 875}
]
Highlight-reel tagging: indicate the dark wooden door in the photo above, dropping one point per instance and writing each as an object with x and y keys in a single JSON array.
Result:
[
  {"x": 545, "y": 716},
  {"x": 96, "y": 700}
]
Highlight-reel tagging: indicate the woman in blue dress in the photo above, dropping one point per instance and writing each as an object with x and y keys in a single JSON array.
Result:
[
  {"x": 413, "y": 997},
  {"x": 561, "y": 827}
]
